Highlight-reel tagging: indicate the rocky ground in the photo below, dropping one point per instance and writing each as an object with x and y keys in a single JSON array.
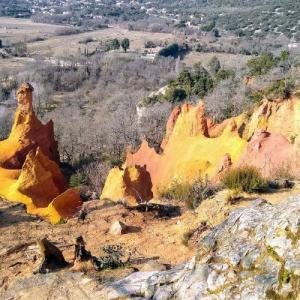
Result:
[{"x": 248, "y": 253}]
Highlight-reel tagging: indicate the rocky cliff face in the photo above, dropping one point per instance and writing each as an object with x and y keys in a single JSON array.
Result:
[
  {"x": 194, "y": 146},
  {"x": 29, "y": 172}
]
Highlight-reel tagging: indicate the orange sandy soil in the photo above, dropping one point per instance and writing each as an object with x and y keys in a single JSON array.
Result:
[{"x": 151, "y": 238}]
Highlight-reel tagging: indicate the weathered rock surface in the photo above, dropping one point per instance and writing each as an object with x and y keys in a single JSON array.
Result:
[
  {"x": 281, "y": 117},
  {"x": 254, "y": 254},
  {"x": 29, "y": 172},
  {"x": 271, "y": 153}
]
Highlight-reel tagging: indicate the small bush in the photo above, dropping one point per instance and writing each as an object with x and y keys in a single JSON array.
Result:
[
  {"x": 186, "y": 237},
  {"x": 255, "y": 96},
  {"x": 78, "y": 180},
  {"x": 245, "y": 179},
  {"x": 262, "y": 64},
  {"x": 280, "y": 89},
  {"x": 208, "y": 27},
  {"x": 150, "y": 44},
  {"x": 224, "y": 74},
  {"x": 173, "y": 50},
  {"x": 175, "y": 95},
  {"x": 192, "y": 194}
]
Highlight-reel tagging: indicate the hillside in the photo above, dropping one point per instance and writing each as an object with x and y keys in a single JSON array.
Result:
[{"x": 149, "y": 149}]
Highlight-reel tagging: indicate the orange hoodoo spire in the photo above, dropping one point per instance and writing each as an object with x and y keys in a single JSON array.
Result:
[
  {"x": 29, "y": 171},
  {"x": 27, "y": 133}
]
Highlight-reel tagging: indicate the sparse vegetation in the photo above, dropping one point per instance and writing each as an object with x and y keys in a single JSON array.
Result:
[
  {"x": 78, "y": 180},
  {"x": 193, "y": 194},
  {"x": 125, "y": 44},
  {"x": 281, "y": 89},
  {"x": 173, "y": 50},
  {"x": 175, "y": 94},
  {"x": 261, "y": 65},
  {"x": 245, "y": 179}
]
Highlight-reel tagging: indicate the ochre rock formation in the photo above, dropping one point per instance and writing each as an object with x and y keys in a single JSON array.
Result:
[
  {"x": 29, "y": 172},
  {"x": 132, "y": 184},
  {"x": 281, "y": 117},
  {"x": 27, "y": 134},
  {"x": 271, "y": 153},
  {"x": 193, "y": 147}
]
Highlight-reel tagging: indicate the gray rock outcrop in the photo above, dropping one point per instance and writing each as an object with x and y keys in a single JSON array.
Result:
[{"x": 254, "y": 254}]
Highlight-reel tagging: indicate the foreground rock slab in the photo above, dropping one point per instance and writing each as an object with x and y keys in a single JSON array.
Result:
[{"x": 254, "y": 254}]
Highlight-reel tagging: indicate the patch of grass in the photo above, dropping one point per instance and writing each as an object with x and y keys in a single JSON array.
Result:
[
  {"x": 245, "y": 179},
  {"x": 293, "y": 138},
  {"x": 272, "y": 295},
  {"x": 294, "y": 237},
  {"x": 284, "y": 276},
  {"x": 274, "y": 254}
]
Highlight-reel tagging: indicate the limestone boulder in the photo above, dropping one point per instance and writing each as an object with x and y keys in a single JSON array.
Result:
[
  {"x": 254, "y": 254},
  {"x": 118, "y": 228}
]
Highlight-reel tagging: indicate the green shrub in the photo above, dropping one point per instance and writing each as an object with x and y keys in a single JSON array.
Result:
[
  {"x": 125, "y": 44},
  {"x": 280, "y": 89},
  {"x": 78, "y": 180},
  {"x": 256, "y": 96},
  {"x": 175, "y": 94},
  {"x": 261, "y": 65},
  {"x": 115, "y": 44},
  {"x": 245, "y": 179},
  {"x": 192, "y": 194},
  {"x": 224, "y": 74},
  {"x": 203, "y": 82},
  {"x": 174, "y": 50},
  {"x": 181, "y": 24}
]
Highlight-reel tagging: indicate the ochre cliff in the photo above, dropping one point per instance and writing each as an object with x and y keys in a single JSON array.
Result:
[
  {"x": 194, "y": 146},
  {"x": 29, "y": 172}
]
